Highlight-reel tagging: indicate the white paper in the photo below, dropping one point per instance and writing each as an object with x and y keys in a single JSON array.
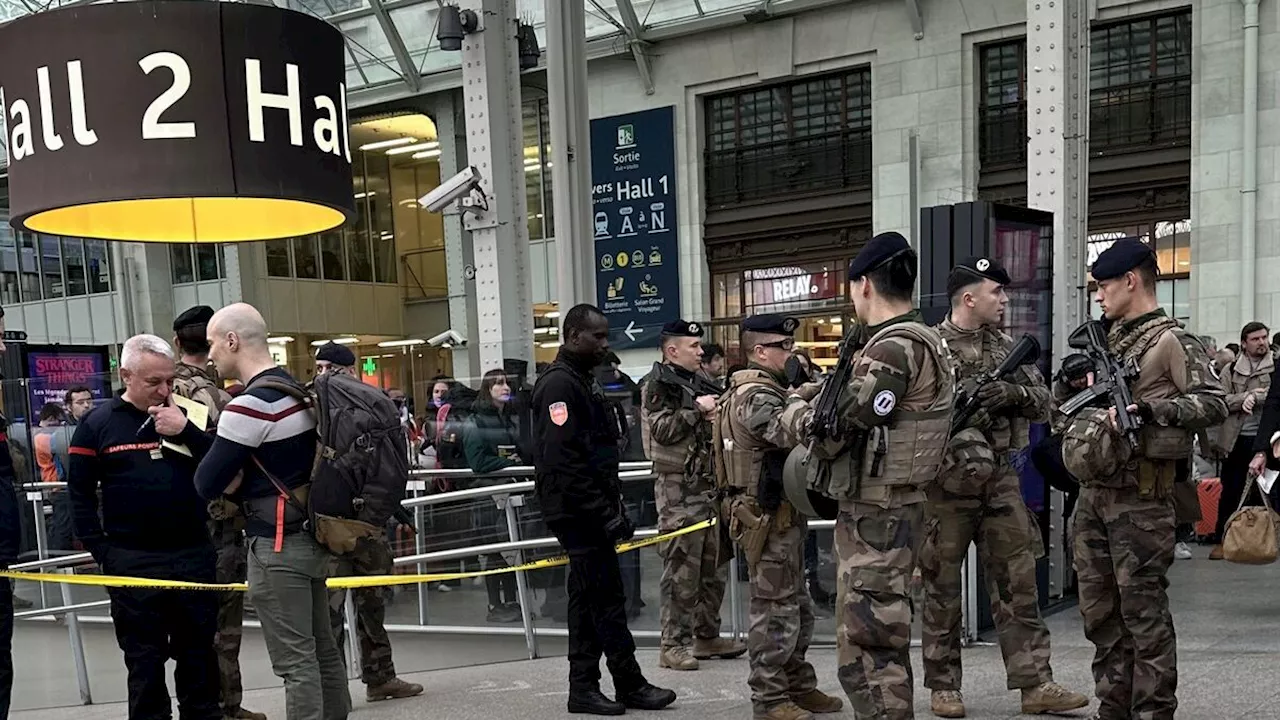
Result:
[{"x": 1267, "y": 479}]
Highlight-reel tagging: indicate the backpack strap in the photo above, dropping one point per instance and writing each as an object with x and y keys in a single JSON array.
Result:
[
  {"x": 441, "y": 416},
  {"x": 286, "y": 495}
]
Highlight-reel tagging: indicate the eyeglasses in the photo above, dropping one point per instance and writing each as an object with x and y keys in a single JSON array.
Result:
[{"x": 787, "y": 344}]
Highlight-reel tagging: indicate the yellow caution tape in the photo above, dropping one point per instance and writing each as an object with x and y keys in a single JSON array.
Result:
[{"x": 337, "y": 583}]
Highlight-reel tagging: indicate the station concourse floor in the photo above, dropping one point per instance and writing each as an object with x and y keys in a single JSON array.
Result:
[{"x": 1227, "y": 619}]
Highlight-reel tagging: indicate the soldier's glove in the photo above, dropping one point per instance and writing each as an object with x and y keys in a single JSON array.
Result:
[
  {"x": 980, "y": 420},
  {"x": 1145, "y": 412},
  {"x": 999, "y": 395},
  {"x": 808, "y": 391},
  {"x": 619, "y": 528}
]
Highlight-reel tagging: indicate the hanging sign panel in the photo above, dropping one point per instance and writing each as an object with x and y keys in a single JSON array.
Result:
[
  {"x": 175, "y": 121},
  {"x": 633, "y": 173}
]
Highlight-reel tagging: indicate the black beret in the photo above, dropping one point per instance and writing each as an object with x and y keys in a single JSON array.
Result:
[
  {"x": 979, "y": 268},
  {"x": 1124, "y": 255},
  {"x": 336, "y": 354},
  {"x": 879, "y": 251},
  {"x": 772, "y": 324},
  {"x": 680, "y": 328},
  {"x": 198, "y": 315}
]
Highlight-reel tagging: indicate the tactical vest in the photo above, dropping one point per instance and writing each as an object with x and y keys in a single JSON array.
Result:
[
  {"x": 1155, "y": 442},
  {"x": 1006, "y": 432},
  {"x": 909, "y": 454},
  {"x": 194, "y": 384},
  {"x": 665, "y": 458},
  {"x": 738, "y": 454}
]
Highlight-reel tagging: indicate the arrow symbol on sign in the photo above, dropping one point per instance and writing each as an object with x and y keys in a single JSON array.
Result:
[{"x": 632, "y": 331}]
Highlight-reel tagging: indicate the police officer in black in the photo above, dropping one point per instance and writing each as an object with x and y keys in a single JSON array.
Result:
[
  {"x": 575, "y": 457},
  {"x": 152, "y": 526},
  {"x": 10, "y": 538}
]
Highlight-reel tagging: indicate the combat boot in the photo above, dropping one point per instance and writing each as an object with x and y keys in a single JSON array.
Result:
[
  {"x": 947, "y": 703},
  {"x": 677, "y": 657},
  {"x": 816, "y": 701},
  {"x": 392, "y": 689},
  {"x": 242, "y": 714},
  {"x": 1050, "y": 697},
  {"x": 784, "y": 711},
  {"x": 707, "y": 648}
]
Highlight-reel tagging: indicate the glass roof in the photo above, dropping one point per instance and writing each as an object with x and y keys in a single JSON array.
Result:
[{"x": 392, "y": 42}]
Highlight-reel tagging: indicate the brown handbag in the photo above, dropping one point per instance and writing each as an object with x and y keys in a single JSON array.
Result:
[{"x": 1250, "y": 535}]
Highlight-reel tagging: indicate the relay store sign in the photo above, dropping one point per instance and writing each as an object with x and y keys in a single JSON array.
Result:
[
  {"x": 776, "y": 285},
  {"x": 633, "y": 163},
  {"x": 176, "y": 121}
]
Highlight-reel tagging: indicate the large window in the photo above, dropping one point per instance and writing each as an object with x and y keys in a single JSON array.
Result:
[
  {"x": 1140, "y": 83},
  {"x": 537, "y": 169},
  {"x": 808, "y": 136},
  {"x": 196, "y": 263},
  {"x": 47, "y": 267},
  {"x": 1002, "y": 107}
]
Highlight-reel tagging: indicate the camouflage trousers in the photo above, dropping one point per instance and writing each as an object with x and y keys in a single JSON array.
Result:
[
  {"x": 780, "y": 620},
  {"x": 999, "y": 522},
  {"x": 233, "y": 566},
  {"x": 372, "y": 558},
  {"x": 1123, "y": 550},
  {"x": 877, "y": 549},
  {"x": 692, "y": 587}
]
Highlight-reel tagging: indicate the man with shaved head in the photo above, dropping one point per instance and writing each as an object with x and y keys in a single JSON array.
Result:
[{"x": 270, "y": 436}]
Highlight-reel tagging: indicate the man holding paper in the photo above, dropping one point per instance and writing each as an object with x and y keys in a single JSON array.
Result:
[{"x": 141, "y": 449}]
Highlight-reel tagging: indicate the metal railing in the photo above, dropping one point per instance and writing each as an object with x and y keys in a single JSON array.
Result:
[{"x": 508, "y": 497}]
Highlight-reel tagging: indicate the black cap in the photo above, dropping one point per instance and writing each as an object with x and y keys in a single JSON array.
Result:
[
  {"x": 879, "y": 251},
  {"x": 680, "y": 328},
  {"x": 198, "y": 315},
  {"x": 975, "y": 269},
  {"x": 1124, "y": 255},
  {"x": 771, "y": 324},
  {"x": 336, "y": 354}
]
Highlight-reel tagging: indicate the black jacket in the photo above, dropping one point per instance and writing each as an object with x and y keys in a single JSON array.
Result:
[
  {"x": 10, "y": 524},
  {"x": 487, "y": 434},
  {"x": 575, "y": 444},
  {"x": 1269, "y": 423}
]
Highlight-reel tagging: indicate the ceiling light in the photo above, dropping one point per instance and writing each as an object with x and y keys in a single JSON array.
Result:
[
  {"x": 400, "y": 343},
  {"x": 549, "y": 345},
  {"x": 426, "y": 155},
  {"x": 552, "y": 315},
  {"x": 282, "y": 339},
  {"x": 337, "y": 341},
  {"x": 361, "y": 195},
  {"x": 388, "y": 143},
  {"x": 413, "y": 148},
  {"x": 836, "y": 320}
]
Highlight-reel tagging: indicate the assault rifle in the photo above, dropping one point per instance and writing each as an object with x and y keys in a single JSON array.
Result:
[
  {"x": 1025, "y": 352},
  {"x": 694, "y": 387},
  {"x": 1110, "y": 377},
  {"x": 826, "y": 411}
]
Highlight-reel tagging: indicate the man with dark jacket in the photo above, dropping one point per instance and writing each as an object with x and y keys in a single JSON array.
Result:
[
  {"x": 10, "y": 537},
  {"x": 576, "y": 479}
]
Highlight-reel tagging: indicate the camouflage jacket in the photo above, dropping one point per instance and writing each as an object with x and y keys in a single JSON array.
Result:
[
  {"x": 198, "y": 384},
  {"x": 974, "y": 352},
  {"x": 677, "y": 438},
  {"x": 1174, "y": 382}
]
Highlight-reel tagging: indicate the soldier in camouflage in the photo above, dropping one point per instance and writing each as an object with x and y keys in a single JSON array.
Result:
[
  {"x": 750, "y": 446},
  {"x": 892, "y": 427},
  {"x": 194, "y": 379},
  {"x": 1124, "y": 523},
  {"x": 675, "y": 420},
  {"x": 978, "y": 497},
  {"x": 371, "y": 557}
]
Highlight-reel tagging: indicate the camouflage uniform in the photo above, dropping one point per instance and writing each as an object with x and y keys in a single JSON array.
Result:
[
  {"x": 370, "y": 558},
  {"x": 226, "y": 528},
  {"x": 780, "y": 613},
  {"x": 978, "y": 497},
  {"x": 677, "y": 438},
  {"x": 1124, "y": 523},
  {"x": 898, "y": 399}
]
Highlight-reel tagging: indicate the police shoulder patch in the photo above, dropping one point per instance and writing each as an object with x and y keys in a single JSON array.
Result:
[
  {"x": 884, "y": 403},
  {"x": 559, "y": 413}
]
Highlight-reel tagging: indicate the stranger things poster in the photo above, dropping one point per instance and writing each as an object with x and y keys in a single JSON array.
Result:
[{"x": 54, "y": 369}]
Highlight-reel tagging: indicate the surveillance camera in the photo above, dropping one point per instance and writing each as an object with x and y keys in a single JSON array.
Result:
[
  {"x": 455, "y": 188},
  {"x": 448, "y": 338}
]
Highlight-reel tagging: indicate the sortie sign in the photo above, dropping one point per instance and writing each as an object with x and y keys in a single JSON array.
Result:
[{"x": 176, "y": 121}]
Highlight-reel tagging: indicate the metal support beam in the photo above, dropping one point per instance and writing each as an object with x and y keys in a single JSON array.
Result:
[
  {"x": 1058, "y": 148},
  {"x": 459, "y": 255},
  {"x": 495, "y": 147},
  {"x": 407, "y": 68},
  {"x": 914, "y": 15},
  {"x": 635, "y": 40},
  {"x": 570, "y": 153}
]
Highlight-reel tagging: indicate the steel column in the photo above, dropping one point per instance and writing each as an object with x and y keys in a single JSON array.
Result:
[
  {"x": 570, "y": 153},
  {"x": 408, "y": 69},
  {"x": 635, "y": 41},
  {"x": 459, "y": 256},
  {"x": 495, "y": 147},
  {"x": 1058, "y": 147}
]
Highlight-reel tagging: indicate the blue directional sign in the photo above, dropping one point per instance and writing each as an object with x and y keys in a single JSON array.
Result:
[{"x": 633, "y": 174}]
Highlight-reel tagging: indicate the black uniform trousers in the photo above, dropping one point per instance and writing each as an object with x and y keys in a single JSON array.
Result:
[
  {"x": 6, "y": 645},
  {"x": 597, "y": 611},
  {"x": 155, "y": 625}
]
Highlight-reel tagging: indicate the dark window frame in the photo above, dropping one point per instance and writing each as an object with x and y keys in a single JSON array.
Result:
[
  {"x": 1153, "y": 111},
  {"x": 1002, "y": 127}
]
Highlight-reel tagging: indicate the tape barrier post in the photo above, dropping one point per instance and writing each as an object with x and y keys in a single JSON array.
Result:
[
  {"x": 735, "y": 597},
  {"x": 353, "y": 639},
  {"x": 342, "y": 583},
  {"x": 509, "y": 503},
  {"x": 77, "y": 645},
  {"x": 420, "y": 547}
]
